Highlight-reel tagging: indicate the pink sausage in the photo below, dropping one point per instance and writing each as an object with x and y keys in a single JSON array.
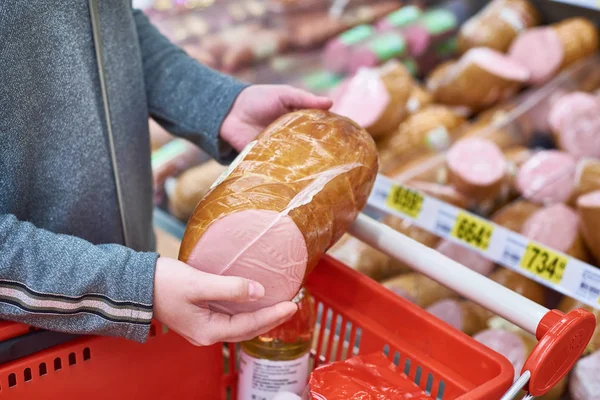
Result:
[
  {"x": 468, "y": 258},
  {"x": 556, "y": 226},
  {"x": 496, "y": 63},
  {"x": 568, "y": 105},
  {"x": 449, "y": 311},
  {"x": 266, "y": 239},
  {"x": 548, "y": 177},
  {"x": 540, "y": 51},
  {"x": 404, "y": 294},
  {"x": 417, "y": 39},
  {"x": 363, "y": 98},
  {"x": 577, "y": 122},
  {"x": 585, "y": 378},
  {"x": 477, "y": 161},
  {"x": 509, "y": 344}
]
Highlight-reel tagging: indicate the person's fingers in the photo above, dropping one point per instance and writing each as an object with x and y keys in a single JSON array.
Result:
[
  {"x": 296, "y": 99},
  {"x": 209, "y": 287},
  {"x": 224, "y": 327},
  {"x": 256, "y": 333}
]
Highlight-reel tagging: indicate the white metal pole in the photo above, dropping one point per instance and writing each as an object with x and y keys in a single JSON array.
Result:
[{"x": 502, "y": 301}]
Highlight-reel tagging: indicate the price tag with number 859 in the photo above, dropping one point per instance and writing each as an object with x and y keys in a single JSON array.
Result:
[
  {"x": 407, "y": 201},
  {"x": 543, "y": 262}
]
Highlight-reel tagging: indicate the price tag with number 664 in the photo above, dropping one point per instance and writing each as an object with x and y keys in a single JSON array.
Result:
[{"x": 472, "y": 230}]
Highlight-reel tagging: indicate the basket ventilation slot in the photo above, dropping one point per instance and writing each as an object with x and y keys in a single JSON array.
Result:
[
  {"x": 336, "y": 338},
  {"x": 418, "y": 373},
  {"x": 42, "y": 368}
]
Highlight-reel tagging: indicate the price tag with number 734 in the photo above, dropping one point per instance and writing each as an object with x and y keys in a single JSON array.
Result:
[{"x": 543, "y": 262}]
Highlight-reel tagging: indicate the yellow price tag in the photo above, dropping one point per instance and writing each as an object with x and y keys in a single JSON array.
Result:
[
  {"x": 406, "y": 201},
  {"x": 472, "y": 230},
  {"x": 543, "y": 262}
]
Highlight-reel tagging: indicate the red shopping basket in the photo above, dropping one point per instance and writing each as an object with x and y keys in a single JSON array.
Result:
[{"x": 364, "y": 318}]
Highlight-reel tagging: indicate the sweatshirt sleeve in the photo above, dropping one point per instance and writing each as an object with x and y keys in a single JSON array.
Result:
[
  {"x": 63, "y": 283},
  {"x": 187, "y": 98}
]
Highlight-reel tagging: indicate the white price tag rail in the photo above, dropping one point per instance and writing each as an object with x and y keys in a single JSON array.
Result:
[{"x": 549, "y": 267}]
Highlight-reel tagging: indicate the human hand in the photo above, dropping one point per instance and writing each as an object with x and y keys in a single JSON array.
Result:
[
  {"x": 180, "y": 296},
  {"x": 258, "y": 106}
]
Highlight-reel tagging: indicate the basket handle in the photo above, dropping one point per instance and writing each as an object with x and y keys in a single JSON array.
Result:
[{"x": 562, "y": 338}]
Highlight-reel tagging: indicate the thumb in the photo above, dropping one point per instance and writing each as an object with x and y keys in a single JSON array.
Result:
[
  {"x": 297, "y": 99},
  {"x": 210, "y": 287}
]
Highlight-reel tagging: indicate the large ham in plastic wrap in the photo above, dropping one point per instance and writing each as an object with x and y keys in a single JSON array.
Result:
[{"x": 285, "y": 200}]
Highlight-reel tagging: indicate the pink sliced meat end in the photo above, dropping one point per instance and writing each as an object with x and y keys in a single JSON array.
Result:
[
  {"x": 477, "y": 161},
  {"x": 568, "y": 105},
  {"x": 585, "y": 378},
  {"x": 336, "y": 56},
  {"x": 260, "y": 245},
  {"x": 403, "y": 293},
  {"x": 548, "y": 177},
  {"x": 580, "y": 131},
  {"x": 363, "y": 99},
  {"x": 497, "y": 63},
  {"x": 362, "y": 57},
  {"x": 509, "y": 344},
  {"x": 469, "y": 258},
  {"x": 555, "y": 226},
  {"x": 448, "y": 311},
  {"x": 590, "y": 200},
  {"x": 417, "y": 39},
  {"x": 540, "y": 51}
]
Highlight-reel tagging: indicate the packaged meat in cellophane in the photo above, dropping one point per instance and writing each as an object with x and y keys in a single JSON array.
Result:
[
  {"x": 286, "y": 199},
  {"x": 419, "y": 37},
  {"x": 371, "y": 375}
]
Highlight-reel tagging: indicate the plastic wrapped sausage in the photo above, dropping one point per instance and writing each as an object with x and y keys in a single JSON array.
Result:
[
  {"x": 463, "y": 315},
  {"x": 467, "y": 257},
  {"x": 513, "y": 344},
  {"x": 548, "y": 177},
  {"x": 287, "y": 198},
  {"x": 254, "y": 48},
  {"x": 419, "y": 289},
  {"x": 513, "y": 215},
  {"x": 587, "y": 176},
  {"x": 429, "y": 130},
  {"x": 557, "y": 227},
  {"x": 588, "y": 206},
  {"x": 544, "y": 51},
  {"x": 515, "y": 157},
  {"x": 516, "y": 345},
  {"x": 338, "y": 51},
  {"x": 575, "y": 120},
  {"x": 366, "y": 376},
  {"x": 191, "y": 186},
  {"x": 498, "y": 77},
  {"x": 497, "y": 25},
  {"x": 520, "y": 284},
  {"x": 309, "y": 29},
  {"x": 419, "y": 99},
  {"x": 477, "y": 168},
  {"x": 375, "y": 98},
  {"x": 445, "y": 193},
  {"x": 172, "y": 159},
  {"x": 365, "y": 259},
  {"x": 585, "y": 378}
]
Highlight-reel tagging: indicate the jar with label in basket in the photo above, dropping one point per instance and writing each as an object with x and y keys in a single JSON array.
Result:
[{"x": 278, "y": 361}]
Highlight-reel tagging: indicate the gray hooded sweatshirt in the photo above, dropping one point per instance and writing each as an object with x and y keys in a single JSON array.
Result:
[{"x": 76, "y": 254}]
